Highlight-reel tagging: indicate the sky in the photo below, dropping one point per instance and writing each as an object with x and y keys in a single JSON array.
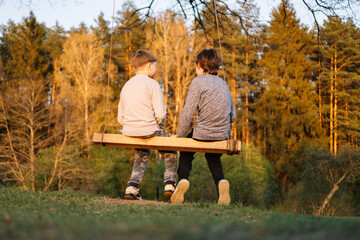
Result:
[{"x": 70, "y": 13}]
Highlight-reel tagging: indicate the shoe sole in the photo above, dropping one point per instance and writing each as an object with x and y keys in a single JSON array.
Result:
[
  {"x": 131, "y": 197},
  {"x": 224, "y": 196},
  {"x": 178, "y": 195},
  {"x": 168, "y": 194}
]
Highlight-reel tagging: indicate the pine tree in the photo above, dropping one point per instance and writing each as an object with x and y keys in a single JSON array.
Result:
[
  {"x": 130, "y": 35},
  {"x": 248, "y": 71},
  {"x": 28, "y": 56},
  {"x": 24, "y": 99},
  {"x": 341, "y": 81},
  {"x": 285, "y": 114}
]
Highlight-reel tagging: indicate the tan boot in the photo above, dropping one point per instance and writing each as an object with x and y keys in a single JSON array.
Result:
[
  {"x": 224, "y": 196},
  {"x": 178, "y": 195}
]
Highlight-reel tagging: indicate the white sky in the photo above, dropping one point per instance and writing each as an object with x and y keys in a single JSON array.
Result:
[{"x": 70, "y": 13}]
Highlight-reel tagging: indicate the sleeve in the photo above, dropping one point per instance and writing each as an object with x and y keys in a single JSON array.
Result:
[
  {"x": 158, "y": 104},
  {"x": 191, "y": 104}
]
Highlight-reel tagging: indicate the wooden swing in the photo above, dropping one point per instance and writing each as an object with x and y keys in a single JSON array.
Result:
[{"x": 229, "y": 146}]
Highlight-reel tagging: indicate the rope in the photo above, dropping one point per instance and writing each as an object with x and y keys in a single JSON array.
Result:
[
  {"x": 109, "y": 73},
  {"x": 231, "y": 147},
  {"x": 218, "y": 33},
  {"x": 231, "y": 144}
]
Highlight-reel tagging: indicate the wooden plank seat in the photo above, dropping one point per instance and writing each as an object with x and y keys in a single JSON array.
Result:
[{"x": 167, "y": 143}]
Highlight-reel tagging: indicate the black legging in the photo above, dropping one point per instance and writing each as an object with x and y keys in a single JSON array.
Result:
[{"x": 213, "y": 161}]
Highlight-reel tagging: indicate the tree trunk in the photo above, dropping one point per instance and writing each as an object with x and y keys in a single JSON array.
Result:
[
  {"x": 247, "y": 91},
  {"x": 17, "y": 172},
  {"x": 86, "y": 116},
  {"x": 335, "y": 104},
  {"x": 320, "y": 111},
  {"x": 32, "y": 143},
  {"x": 335, "y": 188},
  {"x": 51, "y": 105},
  {"x": 56, "y": 163},
  {"x": 130, "y": 53},
  {"x": 331, "y": 108},
  {"x": 233, "y": 91}
]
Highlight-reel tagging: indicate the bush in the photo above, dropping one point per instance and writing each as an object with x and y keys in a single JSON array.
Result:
[
  {"x": 111, "y": 169},
  {"x": 252, "y": 178},
  {"x": 70, "y": 171},
  {"x": 320, "y": 171}
]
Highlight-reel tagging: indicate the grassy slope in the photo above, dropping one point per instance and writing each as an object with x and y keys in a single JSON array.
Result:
[{"x": 69, "y": 215}]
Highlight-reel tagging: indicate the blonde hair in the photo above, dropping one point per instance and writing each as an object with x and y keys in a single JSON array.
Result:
[{"x": 142, "y": 57}]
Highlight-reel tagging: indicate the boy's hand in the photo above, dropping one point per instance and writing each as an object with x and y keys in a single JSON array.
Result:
[{"x": 175, "y": 136}]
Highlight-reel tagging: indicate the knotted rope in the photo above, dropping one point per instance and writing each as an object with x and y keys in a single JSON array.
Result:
[{"x": 108, "y": 77}]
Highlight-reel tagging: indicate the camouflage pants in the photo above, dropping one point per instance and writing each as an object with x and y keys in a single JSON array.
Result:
[{"x": 142, "y": 157}]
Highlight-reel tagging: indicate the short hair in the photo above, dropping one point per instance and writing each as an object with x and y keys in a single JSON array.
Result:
[
  {"x": 142, "y": 57},
  {"x": 209, "y": 60}
]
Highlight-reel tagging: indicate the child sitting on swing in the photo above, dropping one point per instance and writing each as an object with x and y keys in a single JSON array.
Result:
[
  {"x": 142, "y": 114},
  {"x": 210, "y": 97}
]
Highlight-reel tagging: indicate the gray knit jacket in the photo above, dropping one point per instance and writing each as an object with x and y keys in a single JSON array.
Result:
[{"x": 210, "y": 97}]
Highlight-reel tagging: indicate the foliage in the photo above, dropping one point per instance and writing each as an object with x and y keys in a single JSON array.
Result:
[
  {"x": 71, "y": 169},
  {"x": 285, "y": 113},
  {"x": 252, "y": 178},
  {"x": 23, "y": 100},
  {"x": 321, "y": 172},
  {"x": 339, "y": 81},
  {"x": 111, "y": 169},
  {"x": 80, "y": 75}
]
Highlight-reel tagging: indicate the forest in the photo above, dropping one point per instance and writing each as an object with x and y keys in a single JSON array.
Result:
[{"x": 296, "y": 89}]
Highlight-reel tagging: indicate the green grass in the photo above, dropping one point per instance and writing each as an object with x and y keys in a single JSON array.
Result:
[{"x": 70, "y": 215}]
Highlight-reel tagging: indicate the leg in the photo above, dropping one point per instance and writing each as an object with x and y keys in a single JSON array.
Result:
[
  {"x": 141, "y": 158},
  {"x": 132, "y": 192},
  {"x": 222, "y": 185},
  {"x": 170, "y": 159},
  {"x": 215, "y": 166},
  {"x": 185, "y": 164}
]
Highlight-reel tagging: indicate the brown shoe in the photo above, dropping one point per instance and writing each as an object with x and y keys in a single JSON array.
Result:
[
  {"x": 132, "y": 193},
  {"x": 169, "y": 191}
]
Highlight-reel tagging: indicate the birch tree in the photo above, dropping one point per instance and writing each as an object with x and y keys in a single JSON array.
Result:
[
  {"x": 176, "y": 48},
  {"x": 80, "y": 75}
]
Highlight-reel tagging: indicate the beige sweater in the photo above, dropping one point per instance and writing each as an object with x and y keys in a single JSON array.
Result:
[{"x": 141, "y": 107}]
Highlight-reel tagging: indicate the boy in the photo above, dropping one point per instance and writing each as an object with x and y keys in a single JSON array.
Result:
[
  {"x": 210, "y": 97},
  {"x": 142, "y": 114}
]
